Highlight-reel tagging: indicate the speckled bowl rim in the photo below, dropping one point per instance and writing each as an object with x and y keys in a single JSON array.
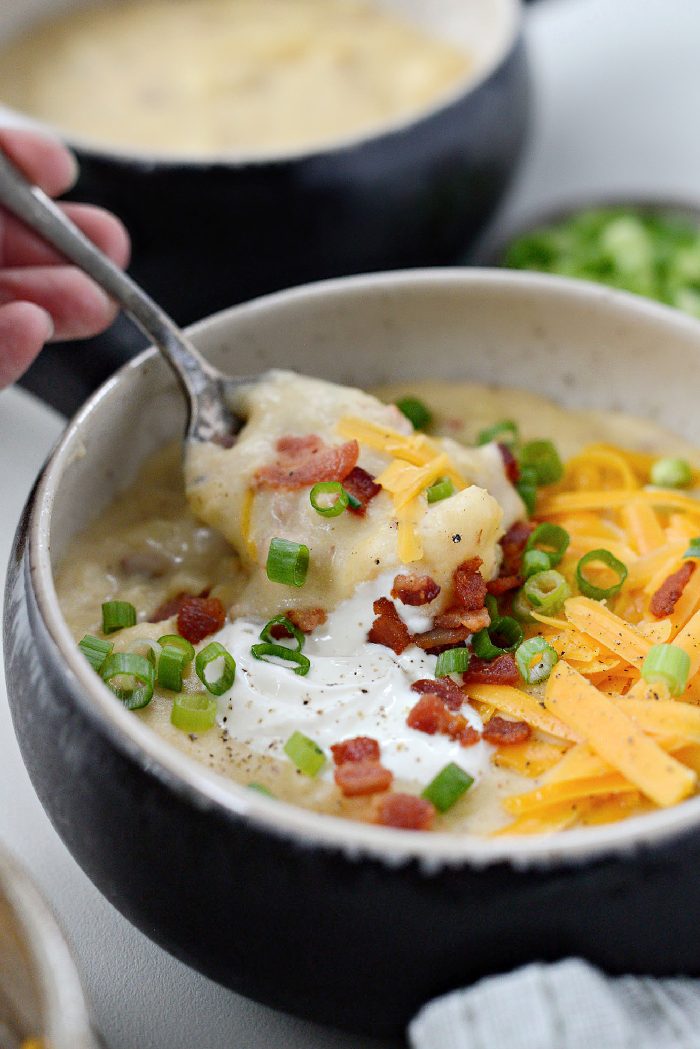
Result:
[{"x": 206, "y": 789}]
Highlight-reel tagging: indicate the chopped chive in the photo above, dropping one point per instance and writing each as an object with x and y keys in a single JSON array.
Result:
[
  {"x": 211, "y": 654},
  {"x": 180, "y": 643},
  {"x": 269, "y": 651},
  {"x": 549, "y": 539},
  {"x": 669, "y": 665},
  {"x": 305, "y": 754},
  {"x": 671, "y": 473},
  {"x": 503, "y": 635},
  {"x": 600, "y": 593},
  {"x": 453, "y": 661},
  {"x": 535, "y": 561},
  {"x": 339, "y": 503},
  {"x": 293, "y": 631},
  {"x": 543, "y": 458},
  {"x": 546, "y": 591},
  {"x": 694, "y": 548},
  {"x": 171, "y": 664},
  {"x": 526, "y": 487},
  {"x": 505, "y": 432},
  {"x": 287, "y": 562},
  {"x": 95, "y": 650},
  {"x": 448, "y": 787},
  {"x": 193, "y": 713},
  {"x": 116, "y": 615},
  {"x": 442, "y": 489},
  {"x": 416, "y": 412},
  {"x": 261, "y": 789},
  {"x": 129, "y": 665},
  {"x": 535, "y": 659}
]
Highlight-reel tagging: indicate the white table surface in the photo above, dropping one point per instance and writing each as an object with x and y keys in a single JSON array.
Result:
[{"x": 617, "y": 98}]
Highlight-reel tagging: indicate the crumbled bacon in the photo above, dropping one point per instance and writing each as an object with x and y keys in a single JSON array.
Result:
[
  {"x": 361, "y": 748},
  {"x": 666, "y": 597},
  {"x": 388, "y": 628},
  {"x": 440, "y": 638},
  {"x": 405, "y": 811},
  {"x": 415, "y": 589},
  {"x": 444, "y": 687},
  {"x": 200, "y": 616},
  {"x": 304, "y": 619},
  {"x": 172, "y": 606},
  {"x": 503, "y": 670},
  {"x": 306, "y": 460},
  {"x": 362, "y": 486},
  {"x": 503, "y": 733},
  {"x": 469, "y": 585},
  {"x": 513, "y": 545},
  {"x": 356, "y": 778},
  {"x": 510, "y": 463},
  {"x": 455, "y": 618},
  {"x": 431, "y": 715},
  {"x": 503, "y": 584}
]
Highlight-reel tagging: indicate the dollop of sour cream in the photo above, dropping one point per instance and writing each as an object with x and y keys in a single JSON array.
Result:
[{"x": 353, "y": 688}]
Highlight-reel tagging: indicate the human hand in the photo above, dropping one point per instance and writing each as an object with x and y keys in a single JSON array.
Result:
[{"x": 41, "y": 296}]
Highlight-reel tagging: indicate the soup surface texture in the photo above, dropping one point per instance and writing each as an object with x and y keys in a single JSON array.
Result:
[
  {"x": 211, "y": 76},
  {"x": 448, "y": 629}
]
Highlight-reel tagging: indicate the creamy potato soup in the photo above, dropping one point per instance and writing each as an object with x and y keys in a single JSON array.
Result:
[
  {"x": 204, "y": 76},
  {"x": 440, "y": 607}
]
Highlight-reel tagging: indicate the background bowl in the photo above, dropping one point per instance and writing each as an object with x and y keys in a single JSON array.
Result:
[
  {"x": 217, "y": 230},
  {"x": 343, "y": 922}
]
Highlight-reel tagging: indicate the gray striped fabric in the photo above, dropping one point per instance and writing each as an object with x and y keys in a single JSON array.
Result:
[{"x": 569, "y": 1005}]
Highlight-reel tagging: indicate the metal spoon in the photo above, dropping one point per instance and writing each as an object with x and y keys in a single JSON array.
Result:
[{"x": 209, "y": 393}]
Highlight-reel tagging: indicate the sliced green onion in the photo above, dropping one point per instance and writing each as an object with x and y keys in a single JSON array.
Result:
[
  {"x": 549, "y": 539},
  {"x": 339, "y": 503},
  {"x": 505, "y": 432},
  {"x": 491, "y": 606},
  {"x": 448, "y": 787},
  {"x": 535, "y": 561},
  {"x": 293, "y": 631},
  {"x": 521, "y": 608},
  {"x": 547, "y": 591},
  {"x": 289, "y": 655},
  {"x": 171, "y": 664},
  {"x": 208, "y": 655},
  {"x": 527, "y": 487},
  {"x": 671, "y": 473},
  {"x": 442, "y": 489},
  {"x": 95, "y": 650},
  {"x": 116, "y": 615},
  {"x": 353, "y": 503},
  {"x": 694, "y": 548},
  {"x": 306, "y": 755},
  {"x": 193, "y": 713},
  {"x": 503, "y": 635},
  {"x": 543, "y": 458},
  {"x": 261, "y": 789},
  {"x": 180, "y": 643},
  {"x": 152, "y": 649},
  {"x": 599, "y": 593},
  {"x": 535, "y": 659},
  {"x": 453, "y": 661},
  {"x": 128, "y": 664},
  {"x": 667, "y": 664},
  {"x": 416, "y": 412},
  {"x": 287, "y": 562}
]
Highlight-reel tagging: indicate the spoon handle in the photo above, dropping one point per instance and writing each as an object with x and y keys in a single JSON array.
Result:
[{"x": 201, "y": 382}]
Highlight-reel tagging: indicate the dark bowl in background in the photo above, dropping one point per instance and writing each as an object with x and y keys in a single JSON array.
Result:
[{"x": 213, "y": 232}]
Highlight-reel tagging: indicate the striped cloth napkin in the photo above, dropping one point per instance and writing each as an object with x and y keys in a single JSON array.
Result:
[{"x": 569, "y": 1005}]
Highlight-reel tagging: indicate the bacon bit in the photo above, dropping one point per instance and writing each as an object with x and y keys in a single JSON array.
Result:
[
  {"x": 664, "y": 600},
  {"x": 431, "y": 715},
  {"x": 440, "y": 638},
  {"x": 470, "y": 588},
  {"x": 503, "y": 584},
  {"x": 504, "y": 733},
  {"x": 405, "y": 811},
  {"x": 304, "y": 619},
  {"x": 200, "y": 616},
  {"x": 362, "y": 777},
  {"x": 306, "y": 460},
  {"x": 513, "y": 545},
  {"x": 455, "y": 618},
  {"x": 362, "y": 486},
  {"x": 510, "y": 463},
  {"x": 445, "y": 688},
  {"x": 388, "y": 628},
  {"x": 361, "y": 748},
  {"x": 415, "y": 589},
  {"x": 168, "y": 608},
  {"x": 503, "y": 670}
]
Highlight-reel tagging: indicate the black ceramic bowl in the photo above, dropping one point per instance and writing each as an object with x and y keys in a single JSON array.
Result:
[
  {"x": 212, "y": 231},
  {"x": 347, "y": 923}
]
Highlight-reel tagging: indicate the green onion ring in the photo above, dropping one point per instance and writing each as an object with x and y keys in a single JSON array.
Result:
[
  {"x": 95, "y": 650},
  {"x": 535, "y": 648},
  {"x": 668, "y": 664},
  {"x": 504, "y": 432},
  {"x": 193, "y": 712},
  {"x": 448, "y": 787},
  {"x": 181, "y": 643},
  {"x": 116, "y": 615},
  {"x": 306, "y": 755},
  {"x": 599, "y": 593},
  {"x": 208, "y": 655},
  {"x": 289, "y": 655},
  {"x": 335, "y": 488},
  {"x": 128, "y": 664},
  {"x": 553, "y": 538},
  {"x": 453, "y": 661},
  {"x": 483, "y": 644},
  {"x": 293, "y": 631},
  {"x": 543, "y": 458},
  {"x": 546, "y": 591},
  {"x": 287, "y": 562}
]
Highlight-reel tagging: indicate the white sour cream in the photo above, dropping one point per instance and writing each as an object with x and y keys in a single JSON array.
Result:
[{"x": 353, "y": 688}]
